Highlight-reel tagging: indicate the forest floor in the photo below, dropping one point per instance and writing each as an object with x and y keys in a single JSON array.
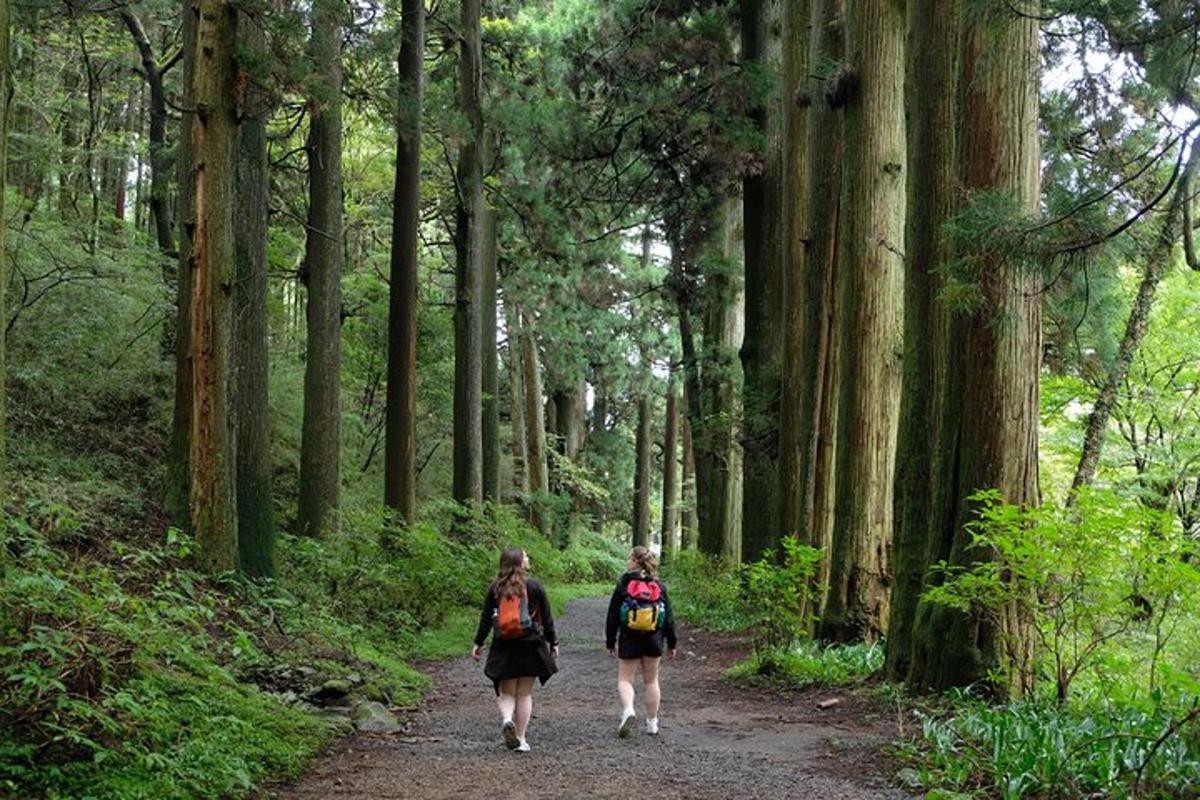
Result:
[{"x": 718, "y": 740}]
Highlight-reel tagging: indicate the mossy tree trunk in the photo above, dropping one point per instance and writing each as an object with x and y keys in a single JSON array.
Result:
[
  {"x": 641, "y": 480},
  {"x": 932, "y": 91},
  {"x": 400, "y": 450},
  {"x": 468, "y": 277},
  {"x": 762, "y": 347},
  {"x": 320, "y": 446},
  {"x": 997, "y": 356},
  {"x": 255, "y": 503}
]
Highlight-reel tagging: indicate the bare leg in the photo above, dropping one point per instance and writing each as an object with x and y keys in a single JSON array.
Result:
[
  {"x": 507, "y": 699},
  {"x": 627, "y": 669},
  {"x": 653, "y": 691},
  {"x": 524, "y": 704}
]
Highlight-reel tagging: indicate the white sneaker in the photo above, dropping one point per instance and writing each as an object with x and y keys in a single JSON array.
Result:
[
  {"x": 522, "y": 746},
  {"x": 652, "y": 726},
  {"x": 509, "y": 731},
  {"x": 626, "y": 726}
]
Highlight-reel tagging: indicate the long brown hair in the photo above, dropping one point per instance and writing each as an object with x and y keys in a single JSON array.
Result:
[
  {"x": 510, "y": 580},
  {"x": 645, "y": 558}
]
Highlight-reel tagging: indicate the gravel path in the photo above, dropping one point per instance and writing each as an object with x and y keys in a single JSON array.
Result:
[{"x": 717, "y": 741}]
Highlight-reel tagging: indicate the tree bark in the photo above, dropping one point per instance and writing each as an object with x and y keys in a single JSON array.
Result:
[
  {"x": 468, "y": 279},
  {"x": 516, "y": 383},
  {"x": 5, "y": 88},
  {"x": 1156, "y": 263},
  {"x": 670, "y": 484},
  {"x": 931, "y": 89},
  {"x": 794, "y": 202},
  {"x": 535, "y": 429},
  {"x": 320, "y": 447},
  {"x": 400, "y": 456},
  {"x": 255, "y": 500},
  {"x": 716, "y": 379},
  {"x": 871, "y": 273},
  {"x": 177, "y": 481},
  {"x": 811, "y": 378},
  {"x": 490, "y": 372},
  {"x": 762, "y": 349},
  {"x": 641, "y": 480},
  {"x": 998, "y": 355},
  {"x": 212, "y": 497},
  {"x": 690, "y": 532}
]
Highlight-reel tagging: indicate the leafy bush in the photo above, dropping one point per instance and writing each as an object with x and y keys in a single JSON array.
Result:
[
  {"x": 1098, "y": 582},
  {"x": 810, "y": 663},
  {"x": 707, "y": 592},
  {"x": 1043, "y": 749}
]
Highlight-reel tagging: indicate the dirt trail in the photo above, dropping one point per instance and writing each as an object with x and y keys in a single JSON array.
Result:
[{"x": 717, "y": 741}]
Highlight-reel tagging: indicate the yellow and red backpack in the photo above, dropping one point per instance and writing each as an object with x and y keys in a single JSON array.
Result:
[{"x": 643, "y": 609}]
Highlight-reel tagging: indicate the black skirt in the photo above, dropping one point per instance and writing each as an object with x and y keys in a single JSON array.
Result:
[
  {"x": 529, "y": 658},
  {"x": 634, "y": 644}
]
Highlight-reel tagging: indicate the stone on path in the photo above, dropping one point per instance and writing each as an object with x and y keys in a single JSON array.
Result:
[{"x": 373, "y": 717}]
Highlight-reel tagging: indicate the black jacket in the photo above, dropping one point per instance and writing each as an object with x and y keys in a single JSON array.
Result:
[
  {"x": 539, "y": 609},
  {"x": 613, "y": 623}
]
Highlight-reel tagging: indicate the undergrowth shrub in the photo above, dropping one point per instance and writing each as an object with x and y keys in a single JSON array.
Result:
[
  {"x": 809, "y": 663},
  {"x": 1043, "y": 749}
]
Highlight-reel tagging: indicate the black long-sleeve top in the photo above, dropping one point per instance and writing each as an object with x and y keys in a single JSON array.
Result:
[
  {"x": 539, "y": 609},
  {"x": 613, "y": 622}
]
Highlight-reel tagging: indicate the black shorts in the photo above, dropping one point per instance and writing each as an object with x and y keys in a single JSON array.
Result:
[{"x": 639, "y": 645}]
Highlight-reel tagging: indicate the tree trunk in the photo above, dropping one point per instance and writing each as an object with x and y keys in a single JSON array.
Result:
[
  {"x": 641, "y": 480},
  {"x": 516, "y": 383},
  {"x": 871, "y": 273},
  {"x": 570, "y": 419},
  {"x": 320, "y": 447},
  {"x": 5, "y": 88},
  {"x": 1156, "y": 263},
  {"x": 690, "y": 532},
  {"x": 535, "y": 429},
  {"x": 762, "y": 350},
  {"x": 670, "y": 484},
  {"x": 794, "y": 200},
  {"x": 177, "y": 491},
  {"x": 715, "y": 378},
  {"x": 400, "y": 452},
  {"x": 998, "y": 353},
  {"x": 255, "y": 501},
  {"x": 212, "y": 497},
  {"x": 932, "y": 71},
  {"x": 811, "y": 380},
  {"x": 490, "y": 372},
  {"x": 468, "y": 279}
]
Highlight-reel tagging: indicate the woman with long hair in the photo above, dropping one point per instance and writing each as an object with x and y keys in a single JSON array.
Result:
[
  {"x": 640, "y": 622},
  {"x": 524, "y": 646}
]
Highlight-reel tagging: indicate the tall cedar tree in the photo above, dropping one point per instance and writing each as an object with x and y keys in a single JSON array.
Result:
[
  {"x": 871, "y": 283},
  {"x": 400, "y": 451},
  {"x": 535, "y": 427},
  {"x": 793, "y": 202},
  {"x": 490, "y": 367},
  {"x": 320, "y": 448},
  {"x": 176, "y": 494},
  {"x": 255, "y": 504},
  {"x": 992, "y": 439},
  {"x": 931, "y": 91},
  {"x": 468, "y": 274},
  {"x": 641, "y": 480},
  {"x": 212, "y": 496},
  {"x": 809, "y": 506},
  {"x": 670, "y": 482},
  {"x": 762, "y": 348},
  {"x": 516, "y": 393},
  {"x": 5, "y": 83}
]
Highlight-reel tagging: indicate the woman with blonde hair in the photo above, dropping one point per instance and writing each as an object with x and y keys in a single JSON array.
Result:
[
  {"x": 524, "y": 646},
  {"x": 639, "y": 620}
]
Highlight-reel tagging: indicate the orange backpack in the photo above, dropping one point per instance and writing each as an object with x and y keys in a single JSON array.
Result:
[{"x": 512, "y": 619}]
